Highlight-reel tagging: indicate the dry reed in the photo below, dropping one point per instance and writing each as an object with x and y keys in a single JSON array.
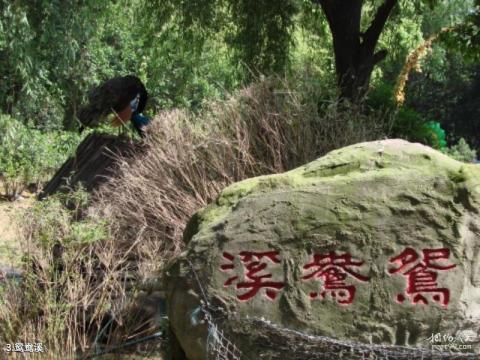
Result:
[{"x": 265, "y": 128}]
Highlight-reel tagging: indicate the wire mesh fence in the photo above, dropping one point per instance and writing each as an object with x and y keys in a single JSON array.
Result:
[
  {"x": 284, "y": 343},
  {"x": 280, "y": 343},
  {"x": 219, "y": 347}
]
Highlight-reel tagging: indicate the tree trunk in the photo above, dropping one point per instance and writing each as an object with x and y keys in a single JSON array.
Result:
[
  {"x": 71, "y": 106},
  {"x": 355, "y": 55}
]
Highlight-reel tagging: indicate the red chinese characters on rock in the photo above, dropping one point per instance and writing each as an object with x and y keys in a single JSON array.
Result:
[
  {"x": 334, "y": 269},
  {"x": 336, "y": 273},
  {"x": 256, "y": 273},
  {"x": 421, "y": 275}
]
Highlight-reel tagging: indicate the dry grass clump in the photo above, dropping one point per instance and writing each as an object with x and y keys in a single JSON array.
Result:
[
  {"x": 265, "y": 128},
  {"x": 72, "y": 294},
  {"x": 71, "y": 274}
]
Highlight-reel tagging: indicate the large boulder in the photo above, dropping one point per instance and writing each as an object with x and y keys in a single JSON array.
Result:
[{"x": 375, "y": 243}]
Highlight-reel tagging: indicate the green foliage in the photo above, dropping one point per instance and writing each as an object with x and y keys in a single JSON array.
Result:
[
  {"x": 50, "y": 223},
  {"x": 30, "y": 156},
  {"x": 447, "y": 91},
  {"x": 188, "y": 52},
  {"x": 51, "y": 53},
  {"x": 259, "y": 33},
  {"x": 180, "y": 75},
  {"x": 461, "y": 151},
  {"x": 465, "y": 36},
  {"x": 264, "y": 33},
  {"x": 412, "y": 126},
  {"x": 408, "y": 124},
  {"x": 402, "y": 33},
  {"x": 45, "y": 59}
]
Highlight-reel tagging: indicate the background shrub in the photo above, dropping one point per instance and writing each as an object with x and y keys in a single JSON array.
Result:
[
  {"x": 461, "y": 151},
  {"x": 29, "y": 155},
  {"x": 408, "y": 123}
]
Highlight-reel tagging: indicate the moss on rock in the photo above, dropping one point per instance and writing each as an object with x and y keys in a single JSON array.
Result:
[{"x": 370, "y": 200}]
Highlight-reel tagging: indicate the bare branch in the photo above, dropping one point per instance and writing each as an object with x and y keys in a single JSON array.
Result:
[{"x": 373, "y": 32}]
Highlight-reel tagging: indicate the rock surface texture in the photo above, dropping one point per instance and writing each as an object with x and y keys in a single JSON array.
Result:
[{"x": 375, "y": 243}]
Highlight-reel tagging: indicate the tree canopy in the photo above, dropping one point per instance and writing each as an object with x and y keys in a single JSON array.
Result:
[{"x": 53, "y": 52}]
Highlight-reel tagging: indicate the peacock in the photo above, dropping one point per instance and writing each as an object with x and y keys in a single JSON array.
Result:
[{"x": 124, "y": 96}]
